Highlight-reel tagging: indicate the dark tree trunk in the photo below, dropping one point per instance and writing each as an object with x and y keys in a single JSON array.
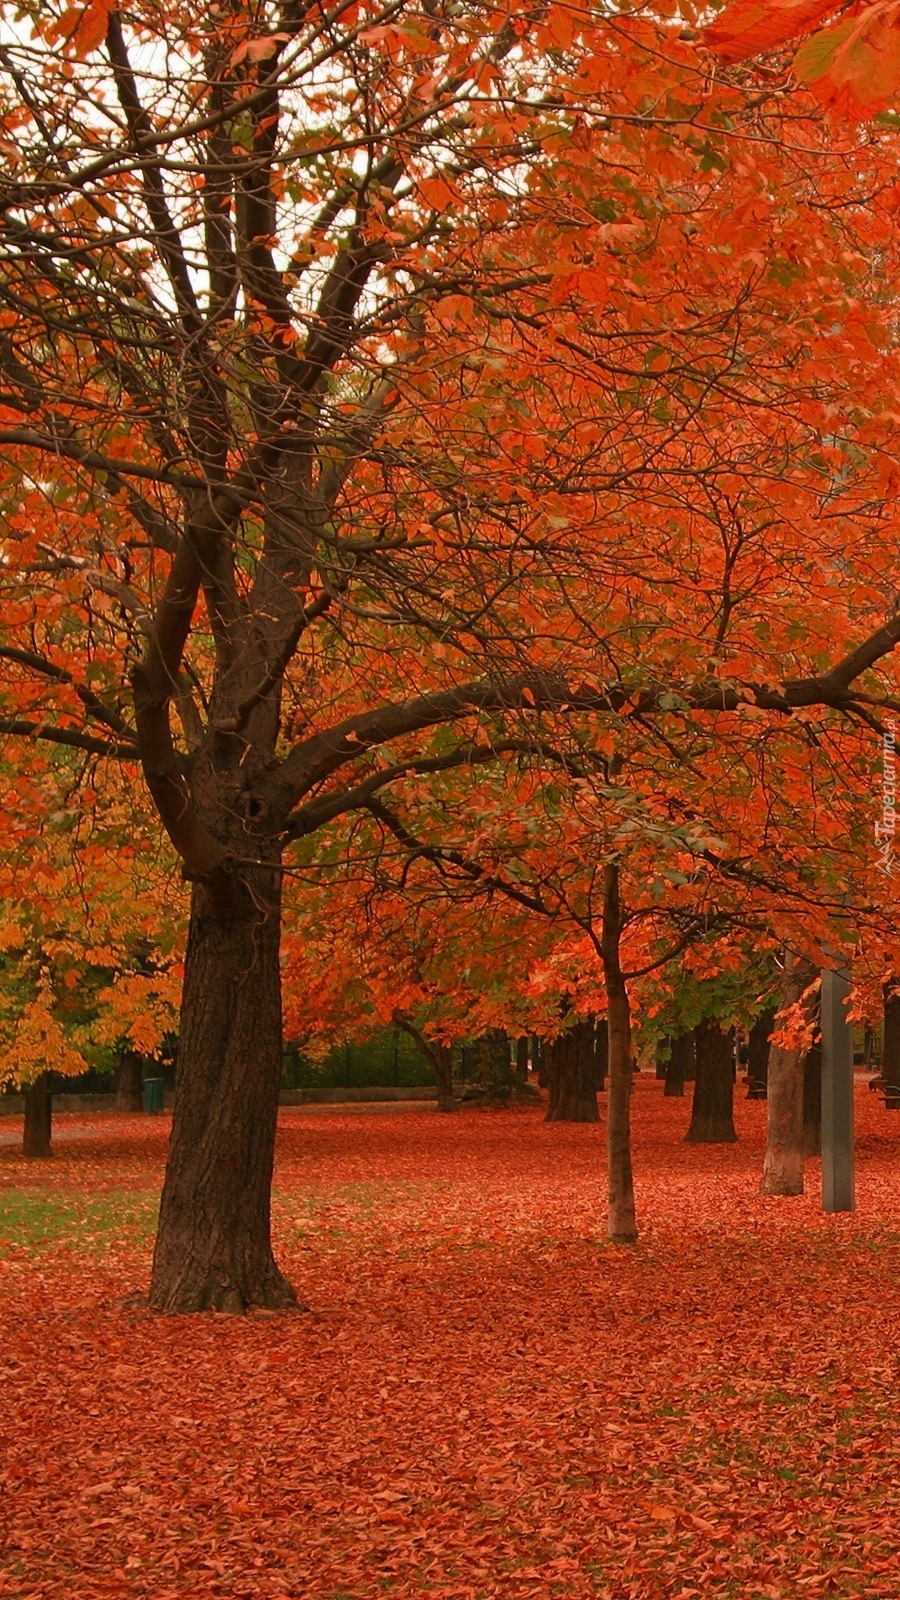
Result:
[
  {"x": 681, "y": 1060},
  {"x": 661, "y": 1071},
  {"x": 601, "y": 1053},
  {"x": 758, "y": 1064},
  {"x": 442, "y": 1060},
  {"x": 522, "y": 1060},
  {"x": 573, "y": 1076},
  {"x": 712, "y": 1112},
  {"x": 38, "y": 1117},
  {"x": 213, "y": 1248},
  {"x": 890, "y": 1055},
  {"x": 812, "y": 1101},
  {"x": 130, "y": 1083},
  {"x": 622, "y": 1218}
]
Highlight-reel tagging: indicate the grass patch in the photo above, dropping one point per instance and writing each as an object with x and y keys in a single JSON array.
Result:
[{"x": 30, "y": 1220}]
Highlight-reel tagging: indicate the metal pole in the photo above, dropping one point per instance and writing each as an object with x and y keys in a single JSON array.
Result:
[{"x": 837, "y": 1094}]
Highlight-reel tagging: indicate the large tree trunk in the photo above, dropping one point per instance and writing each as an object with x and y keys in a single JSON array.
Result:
[
  {"x": 812, "y": 1102},
  {"x": 890, "y": 1055},
  {"x": 681, "y": 1059},
  {"x": 622, "y": 1220},
  {"x": 130, "y": 1082},
  {"x": 442, "y": 1059},
  {"x": 783, "y": 1164},
  {"x": 712, "y": 1111},
  {"x": 758, "y": 1065},
  {"x": 213, "y": 1248},
  {"x": 38, "y": 1117},
  {"x": 572, "y": 1075}
]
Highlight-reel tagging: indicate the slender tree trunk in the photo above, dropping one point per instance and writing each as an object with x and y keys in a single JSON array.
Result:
[
  {"x": 783, "y": 1164},
  {"x": 681, "y": 1058},
  {"x": 622, "y": 1222},
  {"x": 130, "y": 1084},
  {"x": 213, "y": 1248},
  {"x": 758, "y": 1065},
  {"x": 440, "y": 1057},
  {"x": 712, "y": 1111},
  {"x": 812, "y": 1101},
  {"x": 573, "y": 1076},
  {"x": 890, "y": 1055},
  {"x": 38, "y": 1117}
]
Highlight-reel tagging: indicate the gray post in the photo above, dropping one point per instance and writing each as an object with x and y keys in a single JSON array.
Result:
[{"x": 837, "y": 1094}]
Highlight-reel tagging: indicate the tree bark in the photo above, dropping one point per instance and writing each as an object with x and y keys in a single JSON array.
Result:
[
  {"x": 783, "y": 1164},
  {"x": 812, "y": 1101},
  {"x": 681, "y": 1058},
  {"x": 890, "y": 1056},
  {"x": 130, "y": 1083},
  {"x": 572, "y": 1075},
  {"x": 601, "y": 1053},
  {"x": 442, "y": 1059},
  {"x": 622, "y": 1220},
  {"x": 213, "y": 1247},
  {"x": 712, "y": 1110},
  {"x": 522, "y": 1060},
  {"x": 758, "y": 1065},
  {"x": 38, "y": 1117}
]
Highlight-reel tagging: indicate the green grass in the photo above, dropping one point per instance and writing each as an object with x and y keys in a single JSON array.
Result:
[{"x": 30, "y": 1220}]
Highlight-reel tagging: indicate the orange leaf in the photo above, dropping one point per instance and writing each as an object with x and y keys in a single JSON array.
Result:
[
  {"x": 749, "y": 28},
  {"x": 855, "y": 67}
]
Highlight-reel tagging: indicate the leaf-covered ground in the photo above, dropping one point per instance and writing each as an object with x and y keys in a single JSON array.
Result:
[{"x": 484, "y": 1399}]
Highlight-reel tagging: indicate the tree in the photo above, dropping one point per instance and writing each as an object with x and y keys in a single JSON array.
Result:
[
  {"x": 89, "y": 956},
  {"x": 890, "y": 1064},
  {"x": 783, "y": 1164},
  {"x": 712, "y": 1113},
  {"x": 680, "y": 1062},
  {"x": 572, "y": 1074},
  {"x": 758, "y": 1063},
  {"x": 318, "y": 390}
]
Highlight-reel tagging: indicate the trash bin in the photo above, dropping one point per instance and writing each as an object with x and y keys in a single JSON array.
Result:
[{"x": 154, "y": 1093}]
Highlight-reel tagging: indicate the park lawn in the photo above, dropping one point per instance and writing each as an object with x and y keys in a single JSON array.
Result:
[{"x": 483, "y": 1398}]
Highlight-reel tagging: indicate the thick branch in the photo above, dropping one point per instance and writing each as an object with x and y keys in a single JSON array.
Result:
[
  {"x": 120, "y": 749},
  {"x": 323, "y": 753}
]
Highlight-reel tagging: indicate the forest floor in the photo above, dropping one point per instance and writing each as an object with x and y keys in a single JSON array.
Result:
[{"x": 484, "y": 1398}]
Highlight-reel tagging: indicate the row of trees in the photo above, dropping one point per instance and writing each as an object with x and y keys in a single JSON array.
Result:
[{"x": 448, "y": 449}]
